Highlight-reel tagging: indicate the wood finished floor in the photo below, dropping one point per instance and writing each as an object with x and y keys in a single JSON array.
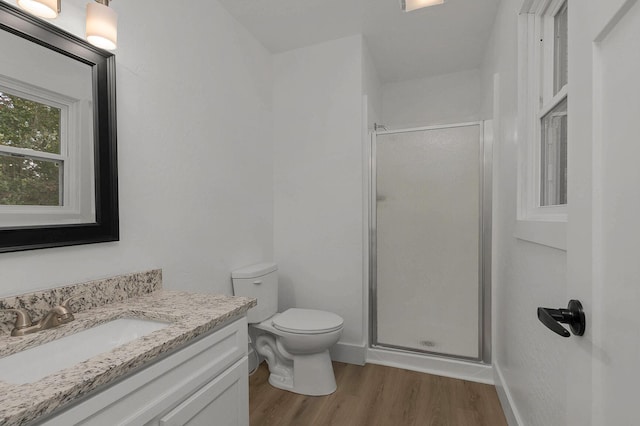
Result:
[{"x": 374, "y": 395}]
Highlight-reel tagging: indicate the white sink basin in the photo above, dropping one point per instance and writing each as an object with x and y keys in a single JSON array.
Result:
[{"x": 33, "y": 364}]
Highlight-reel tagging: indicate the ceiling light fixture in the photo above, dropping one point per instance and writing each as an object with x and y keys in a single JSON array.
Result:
[
  {"x": 42, "y": 8},
  {"x": 102, "y": 21},
  {"x": 410, "y": 5}
]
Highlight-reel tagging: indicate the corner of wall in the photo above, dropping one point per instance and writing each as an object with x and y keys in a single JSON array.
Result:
[
  {"x": 371, "y": 86},
  {"x": 349, "y": 353},
  {"x": 504, "y": 395}
]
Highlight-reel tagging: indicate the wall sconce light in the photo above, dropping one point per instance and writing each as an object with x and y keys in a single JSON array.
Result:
[
  {"x": 102, "y": 25},
  {"x": 409, "y": 5},
  {"x": 102, "y": 21},
  {"x": 42, "y": 8}
]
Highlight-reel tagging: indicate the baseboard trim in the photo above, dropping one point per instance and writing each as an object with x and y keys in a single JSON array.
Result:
[
  {"x": 456, "y": 369},
  {"x": 349, "y": 353},
  {"x": 506, "y": 400}
]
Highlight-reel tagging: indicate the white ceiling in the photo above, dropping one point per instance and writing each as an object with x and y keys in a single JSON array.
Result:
[{"x": 431, "y": 41}]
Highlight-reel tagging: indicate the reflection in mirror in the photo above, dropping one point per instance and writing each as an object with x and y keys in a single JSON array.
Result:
[
  {"x": 28, "y": 174},
  {"x": 46, "y": 136},
  {"x": 58, "y": 177}
]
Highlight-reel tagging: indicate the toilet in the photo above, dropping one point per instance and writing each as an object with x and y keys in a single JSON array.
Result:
[{"x": 296, "y": 342}]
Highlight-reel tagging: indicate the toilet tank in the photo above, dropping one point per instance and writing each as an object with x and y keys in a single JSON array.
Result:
[{"x": 260, "y": 282}]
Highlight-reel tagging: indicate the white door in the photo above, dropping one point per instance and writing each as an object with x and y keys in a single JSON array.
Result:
[{"x": 603, "y": 240}]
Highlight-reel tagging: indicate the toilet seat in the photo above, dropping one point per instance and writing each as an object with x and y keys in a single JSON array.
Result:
[{"x": 307, "y": 321}]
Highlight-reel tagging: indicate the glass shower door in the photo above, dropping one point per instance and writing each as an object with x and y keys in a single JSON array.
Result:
[{"x": 427, "y": 275}]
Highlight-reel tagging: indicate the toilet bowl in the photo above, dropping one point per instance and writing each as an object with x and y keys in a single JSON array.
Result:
[
  {"x": 296, "y": 342},
  {"x": 298, "y": 357}
]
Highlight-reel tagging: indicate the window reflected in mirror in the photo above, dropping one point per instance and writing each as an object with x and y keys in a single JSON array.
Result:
[{"x": 31, "y": 167}]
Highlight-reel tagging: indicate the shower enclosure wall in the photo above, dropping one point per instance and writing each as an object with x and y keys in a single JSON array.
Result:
[{"x": 430, "y": 229}]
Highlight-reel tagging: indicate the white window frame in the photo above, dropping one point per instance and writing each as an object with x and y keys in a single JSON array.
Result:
[
  {"x": 540, "y": 224},
  {"x": 77, "y": 198}
]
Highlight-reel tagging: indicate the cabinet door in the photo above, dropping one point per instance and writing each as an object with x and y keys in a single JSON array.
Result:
[
  {"x": 222, "y": 402},
  {"x": 143, "y": 397}
]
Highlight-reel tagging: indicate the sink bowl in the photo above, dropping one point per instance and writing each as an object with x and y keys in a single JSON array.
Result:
[{"x": 35, "y": 363}]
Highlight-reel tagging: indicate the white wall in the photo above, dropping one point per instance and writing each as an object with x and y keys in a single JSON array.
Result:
[
  {"x": 530, "y": 359},
  {"x": 194, "y": 151},
  {"x": 443, "y": 99},
  {"x": 318, "y": 227},
  {"x": 371, "y": 88}
]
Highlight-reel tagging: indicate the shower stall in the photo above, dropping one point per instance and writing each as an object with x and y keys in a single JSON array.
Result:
[{"x": 430, "y": 241}]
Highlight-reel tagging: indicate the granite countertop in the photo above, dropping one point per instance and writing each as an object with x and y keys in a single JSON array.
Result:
[{"x": 190, "y": 315}]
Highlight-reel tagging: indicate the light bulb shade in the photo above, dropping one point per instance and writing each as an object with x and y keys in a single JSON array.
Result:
[
  {"x": 409, "y": 5},
  {"x": 102, "y": 26},
  {"x": 42, "y": 8}
]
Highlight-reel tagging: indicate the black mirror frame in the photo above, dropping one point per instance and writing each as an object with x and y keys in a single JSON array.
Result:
[{"x": 106, "y": 227}]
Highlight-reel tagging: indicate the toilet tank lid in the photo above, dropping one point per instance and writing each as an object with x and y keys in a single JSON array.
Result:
[{"x": 255, "y": 271}]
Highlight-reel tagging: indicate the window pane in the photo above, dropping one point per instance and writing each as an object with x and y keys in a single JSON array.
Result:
[
  {"x": 30, "y": 182},
  {"x": 29, "y": 124},
  {"x": 561, "y": 49},
  {"x": 553, "y": 165}
]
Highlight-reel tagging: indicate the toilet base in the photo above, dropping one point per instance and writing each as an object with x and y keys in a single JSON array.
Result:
[
  {"x": 297, "y": 362},
  {"x": 311, "y": 375}
]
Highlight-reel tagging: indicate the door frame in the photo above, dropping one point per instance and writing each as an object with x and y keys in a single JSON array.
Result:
[{"x": 485, "y": 231}]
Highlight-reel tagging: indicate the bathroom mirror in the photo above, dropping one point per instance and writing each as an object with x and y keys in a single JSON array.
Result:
[{"x": 58, "y": 162}]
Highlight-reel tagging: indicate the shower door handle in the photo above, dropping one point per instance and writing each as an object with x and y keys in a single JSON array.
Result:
[{"x": 573, "y": 315}]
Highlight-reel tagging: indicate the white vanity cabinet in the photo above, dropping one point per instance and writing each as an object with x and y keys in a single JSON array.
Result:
[{"x": 204, "y": 383}]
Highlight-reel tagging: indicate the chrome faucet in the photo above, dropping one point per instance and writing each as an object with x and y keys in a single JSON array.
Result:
[{"x": 58, "y": 315}]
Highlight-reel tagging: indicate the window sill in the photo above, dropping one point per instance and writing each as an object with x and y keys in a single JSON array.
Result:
[{"x": 547, "y": 233}]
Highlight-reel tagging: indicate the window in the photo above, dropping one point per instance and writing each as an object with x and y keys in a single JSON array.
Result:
[
  {"x": 31, "y": 164},
  {"x": 553, "y": 156},
  {"x": 561, "y": 49},
  {"x": 544, "y": 105},
  {"x": 544, "y": 109},
  {"x": 552, "y": 109},
  {"x": 40, "y": 157}
]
